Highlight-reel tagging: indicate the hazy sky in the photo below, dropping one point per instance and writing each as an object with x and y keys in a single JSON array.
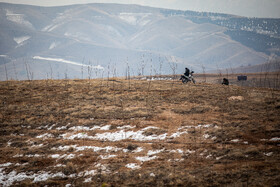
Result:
[{"x": 250, "y": 8}]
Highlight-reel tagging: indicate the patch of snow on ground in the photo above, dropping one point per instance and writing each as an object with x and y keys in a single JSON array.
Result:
[
  {"x": 139, "y": 149},
  {"x": 206, "y": 136},
  {"x": 218, "y": 158},
  {"x": 55, "y": 156},
  {"x": 105, "y": 128},
  {"x": 103, "y": 168},
  {"x": 107, "y": 156},
  {"x": 79, "y": 128},
  {"x": 176, "y": 160},
  {"x": 82, "y": 148},
  {"x": 122, "y": 135},
  {"x": 9, "y": 143},
  {"x": 18, "y": 155},
  {"x": 6, "y": 164},
  {"x": 45, "y": 136},
  {"x": 61, "y": 128},
  {"x": 189, "y": 151},
  {"x": 206, "y": 126},
  {"x": 18, "y": 164},
  {"x": 274, "y": 139},
  {"x": 145, "y": 158},
  {"x": 31, "y": 156},
  {"x": 36, "y": 146},
  {"x": 235, "y": 140},
  {"x": 153, "y": 152},
  {"x": 132, "y": 166},
  {"x": 87, "y": 173},
  {"x": 65, "y": 156},
  {"x": 45, "y": 176},
  {"x": 95, "y": 149},
  {"x": 198, "y": 126},
  {"x": 77, "y": 136},
  {"x": 87, "y": 180},
  {"x": 64, "y": 148},
  {"x": 268, "y": 154},
  {"x": 7, "y": 179},
  {"x": 208, "y": 156},
  {"x": 126, "y": 127},
  {"x": 177, "y": 134},
  {"x": 152, "y": 175},
  {"x": 50, "y": 128},
  {"x": 177, "y": 151},
  {"x": 70, "y": 156},
  {"x": 59, "y": 165}
]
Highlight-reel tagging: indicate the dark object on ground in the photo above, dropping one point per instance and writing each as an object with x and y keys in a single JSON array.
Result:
[
  {"x": 225, "y": 81},
  {"x": 242, "y": 78}
]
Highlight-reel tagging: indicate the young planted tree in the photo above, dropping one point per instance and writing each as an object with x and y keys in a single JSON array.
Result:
[
  {"x": 51, "y": 71},
  {"x": 143, "y": 64},
  {"x": 173, "y": 66},
  {"x": 204, "y": 74},
  {"x": 82, "y": 68},
  {"x": 128, "y": 73},
  {"x": 89, "y": 70},
  {"x": 6, "y": 73},
  {"x": 29, "y": 73},
  {"x": 15, "y": 71}
]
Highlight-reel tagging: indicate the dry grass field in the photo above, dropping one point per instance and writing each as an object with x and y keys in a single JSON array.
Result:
[
  {"x": 138, "y": 133},
  {"x": 264, "y": 79}
]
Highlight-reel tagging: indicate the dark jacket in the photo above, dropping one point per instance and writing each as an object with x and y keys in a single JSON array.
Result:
[{"x": 187, "y": 72}]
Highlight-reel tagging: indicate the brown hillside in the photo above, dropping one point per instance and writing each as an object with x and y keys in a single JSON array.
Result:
[{"x": 138, "y": 133}]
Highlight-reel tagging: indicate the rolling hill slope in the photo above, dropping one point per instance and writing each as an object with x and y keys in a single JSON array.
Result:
[{"x": 122, "y": 37}]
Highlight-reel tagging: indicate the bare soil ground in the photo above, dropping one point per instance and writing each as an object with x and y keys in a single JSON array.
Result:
[{"x": 138, "y": 133}]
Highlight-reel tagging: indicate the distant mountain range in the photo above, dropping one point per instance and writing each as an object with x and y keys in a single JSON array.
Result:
[{"x": 100, "y": 40}]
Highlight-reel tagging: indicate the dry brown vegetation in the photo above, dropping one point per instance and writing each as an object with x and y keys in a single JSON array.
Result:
[
  {"x": 263, "y": 79},
  {"x": 230, "y": 135}
]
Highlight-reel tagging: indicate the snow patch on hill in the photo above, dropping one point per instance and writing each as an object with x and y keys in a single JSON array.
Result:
[
  {"x": 99, "y": 67},
  {"x": 17, "y": 18},
  {"x": 20, "y": 40},
  {"x": 53, "y": 45},
  {"x": 135, "y": 18}
]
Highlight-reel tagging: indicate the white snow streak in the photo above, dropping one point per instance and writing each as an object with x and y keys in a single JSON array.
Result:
[
  {"x": 45, "y": 136},
  {"x": 20, "y": 40},
  {"x": 274, "y": 139},
  {"x": 145, "y": 158},
  {"x": 7, "y": 179},
  {"x": 53, "y": 45},
  {"x": 67, "y": 62},
  {"x": 132, "y": 166}
]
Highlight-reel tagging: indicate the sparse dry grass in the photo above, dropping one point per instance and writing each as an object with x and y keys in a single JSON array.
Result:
[{"x": 233, "y": 150}]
